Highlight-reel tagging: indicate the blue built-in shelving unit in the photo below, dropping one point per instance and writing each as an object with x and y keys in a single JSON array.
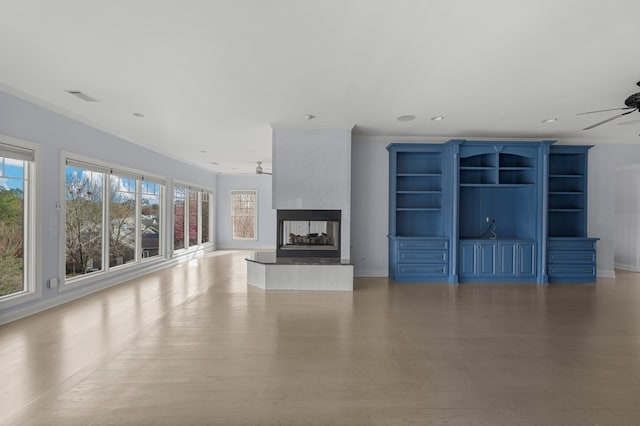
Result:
[{"x": 478, "y": 211}]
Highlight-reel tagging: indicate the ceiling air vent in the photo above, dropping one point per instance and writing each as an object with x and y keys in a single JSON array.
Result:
[{"x": 81, "y": 95}]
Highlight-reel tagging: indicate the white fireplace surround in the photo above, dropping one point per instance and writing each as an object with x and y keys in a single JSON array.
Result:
[{"x": 311, "y": 171}]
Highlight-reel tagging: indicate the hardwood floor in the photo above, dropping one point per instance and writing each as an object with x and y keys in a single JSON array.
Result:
[{"x": 193, "y": 345}]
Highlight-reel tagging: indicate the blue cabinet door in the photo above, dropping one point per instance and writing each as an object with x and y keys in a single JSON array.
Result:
[
  {"x": 507, "y": 252},
  {"x": 526, "y": 265},
  {"x": 477, "y": 258},
  {"x": 467, "y": 259},
  {"x": 486, "y": 258},
  {"x": 517, "y": 259}
]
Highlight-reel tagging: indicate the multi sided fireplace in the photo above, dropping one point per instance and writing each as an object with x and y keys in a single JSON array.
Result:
[{"x": 308, "y": 233}]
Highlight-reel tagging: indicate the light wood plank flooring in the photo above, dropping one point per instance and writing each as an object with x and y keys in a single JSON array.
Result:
[{"x": 192, "y": 345}]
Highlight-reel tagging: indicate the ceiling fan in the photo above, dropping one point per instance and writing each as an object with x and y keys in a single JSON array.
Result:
[
  {"x": 632, "y": 104},
  {"x": 260, "y": 171}
]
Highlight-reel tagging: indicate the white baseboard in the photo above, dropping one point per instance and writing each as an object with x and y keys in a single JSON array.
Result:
[
  {"x": 610, "y": 273},
  {"x": 626, "y": 267}
]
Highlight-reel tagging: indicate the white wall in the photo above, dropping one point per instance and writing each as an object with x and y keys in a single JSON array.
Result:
[
  {"x": 627, "y": 218},
  {"x": 55, "y": 133},
  {"x": 370, "y": 205},
  {"x": 266, "y": 214},
  {"x": 604, "y": 161}
]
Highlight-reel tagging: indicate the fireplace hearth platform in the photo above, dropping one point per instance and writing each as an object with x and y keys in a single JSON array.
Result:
[{"x": 267, "y": 271}]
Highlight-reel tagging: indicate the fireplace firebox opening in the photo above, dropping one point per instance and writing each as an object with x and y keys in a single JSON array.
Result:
[{"x": 308, "y": 233}]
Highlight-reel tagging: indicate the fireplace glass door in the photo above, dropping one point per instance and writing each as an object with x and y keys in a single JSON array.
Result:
[{"x": 317, "y": 235}]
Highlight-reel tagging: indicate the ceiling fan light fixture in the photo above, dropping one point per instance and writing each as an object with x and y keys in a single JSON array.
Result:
[
  {"x": 632, "y": 104},
  {"x": 260, "y": 170}
]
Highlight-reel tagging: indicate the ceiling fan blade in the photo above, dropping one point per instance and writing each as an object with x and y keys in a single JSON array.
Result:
[
  {"x": 604, "y": 110},
  {"x": 610, "y": 119}
]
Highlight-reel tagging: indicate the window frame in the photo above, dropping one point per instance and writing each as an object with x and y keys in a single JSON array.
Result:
[
  {"x": 255, "y": 214},
  {"x": 32, "y": 225},
  {"x": 108, "y": 170},
  {"x": 188, "y": 188}
]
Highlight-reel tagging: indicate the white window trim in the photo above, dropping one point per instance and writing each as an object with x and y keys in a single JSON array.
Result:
[
  {"x": 33, "y": 255},
  {"x": 107, "y": 271},
  {"x": 257, "y": 215}
]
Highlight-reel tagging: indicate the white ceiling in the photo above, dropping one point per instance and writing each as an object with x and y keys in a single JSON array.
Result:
[{"x": 215, "y": 75}]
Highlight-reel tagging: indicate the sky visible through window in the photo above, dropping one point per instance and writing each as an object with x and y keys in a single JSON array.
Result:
[{"x": 11, "y": 173}]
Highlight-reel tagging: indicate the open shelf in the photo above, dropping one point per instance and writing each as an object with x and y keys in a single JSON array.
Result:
[
  {"x": 417, "y": 191},
  {"x": 497, "y": 169},
  {"x": 418, "y": 163},
  {"x": 419, "y": 200},
  {"x": 516, "y": 161},
  {"x": 567, "y": 193}
]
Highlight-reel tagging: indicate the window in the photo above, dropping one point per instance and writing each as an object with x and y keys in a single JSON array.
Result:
[
  {"x": 192, "y": 211},
  {"x": 84, "y": 220},
  {"x": 204, "y": 217},
  {"x": 150, "y": 218},
  {"x": 112, "y": 218},
  {"x": 193, "y": 217},
  {"x": 244, "y": 215},
  {"x": 16, "y": 222},
  {"x": 179, "y": 205},
  {"x": 123, "y": 237}
]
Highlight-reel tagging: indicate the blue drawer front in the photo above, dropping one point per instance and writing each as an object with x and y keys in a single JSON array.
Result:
[
  {"x": 423, "y": 244},
  {"x": 577, "y": 244},
  {"x": 572, "y": 270},
  {"x": 427, "y": 256},
  {"x": 409, "y": 270},
  {"x": 572, "y": 257}
]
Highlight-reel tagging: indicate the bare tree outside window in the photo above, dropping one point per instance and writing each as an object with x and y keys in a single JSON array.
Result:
[
  {"x": 244, "y": 215},
  {"x": 83, "y": 221},
  {"x": 109, "y": 209},
  {"x": 150, "y": 219},
  {"x": 12, "y": 226},
  {"x": 123, "y": 234}
]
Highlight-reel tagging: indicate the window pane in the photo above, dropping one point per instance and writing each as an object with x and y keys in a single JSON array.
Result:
[
  {"x": 179, "y": 216},
  {"x": 12, "y": 227},
  {"x": 193, "y": 218},
  {"x": 122, "y": 220},
  {"x": 150, "y": 220},
  {"x": 83, "y": 209},
  {"x": 243, "y": 215},
  {"x": 13, "y": 168},
  {"x": 205, "y": 217}
]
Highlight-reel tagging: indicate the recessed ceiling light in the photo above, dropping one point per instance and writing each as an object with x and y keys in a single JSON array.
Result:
[
  {"x": 437, "y": 118},
  {"x": 549, "y": 120},
  {"x": 203, "y": 151},
  {"x": 138, "y": 114},
  {"x": 213, "y": 163},
  {"x": 407, "y": 117},
  {"x": 309, "y": 117}
]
